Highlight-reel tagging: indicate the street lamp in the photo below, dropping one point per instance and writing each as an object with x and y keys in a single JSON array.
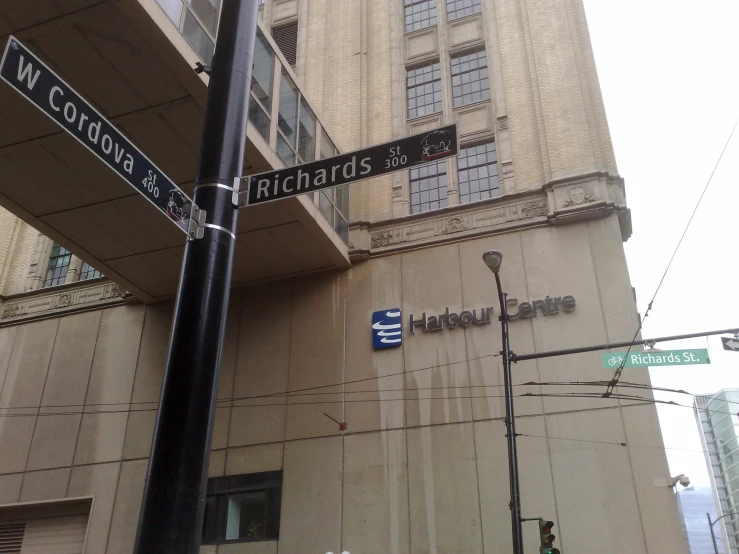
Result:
[
  {"x": 711, "y": 523},
  {"x": 493, "y": 259}
]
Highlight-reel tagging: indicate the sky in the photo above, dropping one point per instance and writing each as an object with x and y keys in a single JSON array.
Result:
[{"x": 669, "y": 73}]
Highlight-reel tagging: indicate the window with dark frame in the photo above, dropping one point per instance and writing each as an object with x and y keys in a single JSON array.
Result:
[
  {"x": 56, "y": 270},
  {"x": 478, "y": 172},
  {"x": 88, "y": 272},
  {"x": 470, "y": 79},
  {"x": 243, "y": 508},
  {"x": 424, "y": 90},
  {"x": 428, "y": 187},
  {"x": 460, "y": 8},
  {"x": 419, "y": 14}
]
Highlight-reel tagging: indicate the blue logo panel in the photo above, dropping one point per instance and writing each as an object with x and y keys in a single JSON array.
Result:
[{"x": 386, "y": 329}]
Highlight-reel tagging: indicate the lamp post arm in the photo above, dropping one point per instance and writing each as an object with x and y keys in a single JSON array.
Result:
[
  {"x": 722, "y": 517},
  {"x": 710, "y": 526}
]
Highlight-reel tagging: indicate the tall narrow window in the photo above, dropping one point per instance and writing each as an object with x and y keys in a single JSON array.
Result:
[
  {"x": 198, "y": 38},
  {"x": 306, "y": 132},
  {"x": 470, "y": 81},
  {"x": 424, "y": 90},
  {"x": 428, "y": 187},
  {"x": 88, "y": 272},
  {"x": 419, "y": 14},
  {"x": 287, "y": 39},
  {"x": 56, "y": 271},
  {"x": 287, "y": 112},
  {"x": 459, "y": 8},
  {"x": 207, "y": 12},
  {"x": 261, "y": 86},
  {"x": 243, "y": 508},
  {"x": 478, "y": 173}
]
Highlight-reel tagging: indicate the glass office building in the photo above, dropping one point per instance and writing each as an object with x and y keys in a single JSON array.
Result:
[{"x": 694, "y": 503}]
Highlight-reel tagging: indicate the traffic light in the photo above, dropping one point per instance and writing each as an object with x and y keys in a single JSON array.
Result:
[{"x": 546, "y": 537}]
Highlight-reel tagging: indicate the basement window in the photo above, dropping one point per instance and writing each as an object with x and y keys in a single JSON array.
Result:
[{"x": 243, "y": 508}]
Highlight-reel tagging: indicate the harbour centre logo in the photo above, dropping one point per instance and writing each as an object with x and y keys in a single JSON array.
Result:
[{"x": 386, "y": 329}]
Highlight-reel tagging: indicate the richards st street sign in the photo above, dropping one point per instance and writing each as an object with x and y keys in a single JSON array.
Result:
[
  {"x": 613, "y": 360},
  {"x": 352, "y": 167}
]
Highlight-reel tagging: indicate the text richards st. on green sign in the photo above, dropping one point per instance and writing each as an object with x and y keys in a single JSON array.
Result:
[{"x": 613, "y": 360}]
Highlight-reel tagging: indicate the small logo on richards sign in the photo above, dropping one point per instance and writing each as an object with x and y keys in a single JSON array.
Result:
[{"x": 386, "y": 329}]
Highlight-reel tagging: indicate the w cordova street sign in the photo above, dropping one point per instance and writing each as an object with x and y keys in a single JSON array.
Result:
[{"x": 28, "y": 75}]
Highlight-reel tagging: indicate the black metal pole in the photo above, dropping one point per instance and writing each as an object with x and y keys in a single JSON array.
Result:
[
  {"x": 713, "y": 536},
  {"x": 171, "y": 516},
  {"x": 510, "y": 421},
  {"x": 567, "y": 351}
]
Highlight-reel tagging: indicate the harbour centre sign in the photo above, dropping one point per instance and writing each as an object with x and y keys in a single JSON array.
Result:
[
  {"x": 352, "y": 167},
  {"x": 28, "y": 75}
]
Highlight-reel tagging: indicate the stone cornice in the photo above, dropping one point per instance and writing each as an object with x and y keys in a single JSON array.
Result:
[
  {"x": 61, "y": 300},
  {"x": 585, "y": 196}
]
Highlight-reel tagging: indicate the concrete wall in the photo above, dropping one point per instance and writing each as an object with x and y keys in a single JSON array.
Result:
[{"x": 422, "y": 465}]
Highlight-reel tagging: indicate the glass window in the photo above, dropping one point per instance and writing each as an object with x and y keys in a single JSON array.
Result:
[
  {"x": 428, "y": 187},
  {"x": 243, "y": 508},
  {"x": 341, "y": 200},
  {"x": 478, "y": 173},
  {"x": 326, "y": 206},
  {"x": 198, "y": 38},
  {"x": 207, "y": 12},
  {"x": 419, "y": 14},
  {"x": 459, "y": 8},
  {"x": 327, "y": 146},
  {"x": 424, "y": 90},
  {"x": 88, "y": 272},
  {"x": 56, "y": 271},
  {"x": 470, "y": 80},
  {"x": 288, "y": 111},
  {"x": 173, "y": 9},
  {"x": 307, "y": 133},
  {"x": 263, "y": 72},
  {"x": 259, "y": 118},
  {"x": 285, "y": 152}
]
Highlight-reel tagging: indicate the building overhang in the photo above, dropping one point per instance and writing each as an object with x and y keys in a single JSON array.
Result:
[{"x": 131, "y": 63}]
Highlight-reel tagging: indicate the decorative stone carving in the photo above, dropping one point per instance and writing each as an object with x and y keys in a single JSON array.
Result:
[
  {"x": 578, "y": 196},
  {"x": 383, "y": 238},
  {"x": 34, "y": 305},
  {"x": 483, "y": 218},
  {"x": 503, "y": 123},
  {"x": 534, "y": 209},
  {"x": 453, "y": 225}
]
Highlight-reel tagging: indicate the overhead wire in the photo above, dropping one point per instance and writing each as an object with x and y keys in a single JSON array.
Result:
[{"x": 619, "y": 370}]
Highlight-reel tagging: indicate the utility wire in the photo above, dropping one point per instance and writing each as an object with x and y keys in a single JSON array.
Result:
[
  {"x": 324, "y": 402},
  {"x": 619, "y": 370}
]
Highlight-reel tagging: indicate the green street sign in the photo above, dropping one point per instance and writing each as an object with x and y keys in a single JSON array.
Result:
[{"x": 612, "y": 360}]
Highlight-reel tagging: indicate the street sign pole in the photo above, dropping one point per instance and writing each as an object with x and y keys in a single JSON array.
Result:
[{"x": 171, "y": 517}]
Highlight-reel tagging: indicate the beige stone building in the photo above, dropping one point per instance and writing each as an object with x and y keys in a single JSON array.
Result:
[{"x": 321, "y": 442}]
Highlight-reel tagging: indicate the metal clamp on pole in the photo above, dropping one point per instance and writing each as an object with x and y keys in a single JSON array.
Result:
[
  {"x": 243, "y": 196},
  {"x": 196, "y": 222},
  {"x": 234, "y": 189}
]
